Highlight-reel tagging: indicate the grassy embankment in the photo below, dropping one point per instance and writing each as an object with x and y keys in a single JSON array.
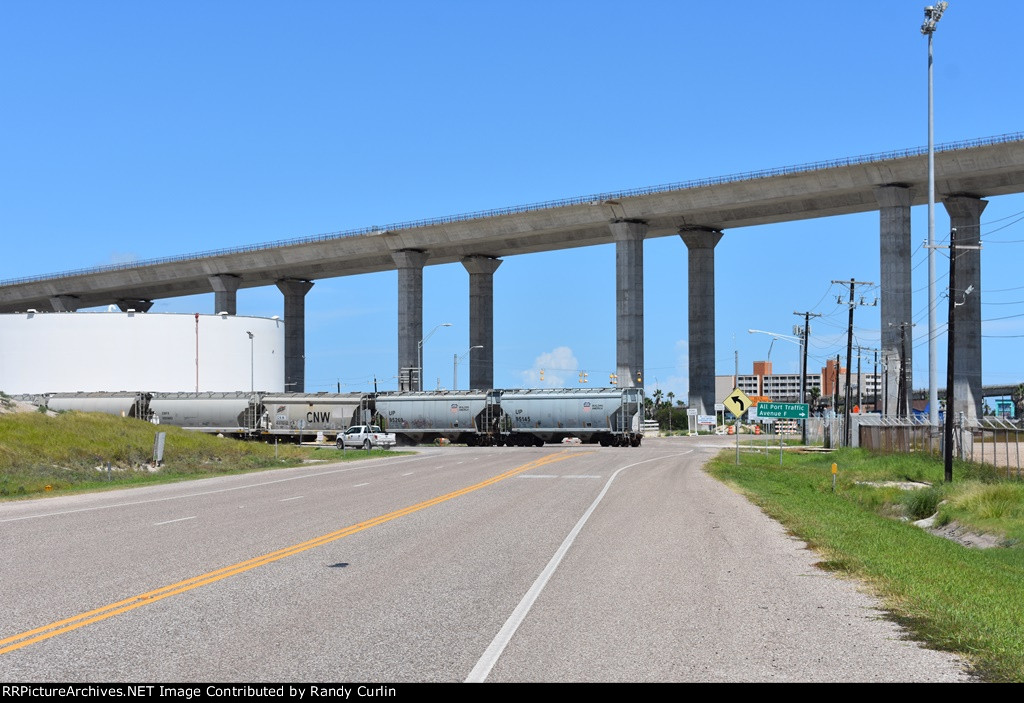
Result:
[
  {"x": 952, "y": 597},
  {"x": 70, "y": 452}
]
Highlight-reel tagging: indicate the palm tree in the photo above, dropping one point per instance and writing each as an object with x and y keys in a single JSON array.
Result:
[
  {"x": 1018, "y": 401},
  {"x": 814, "y": 393}
]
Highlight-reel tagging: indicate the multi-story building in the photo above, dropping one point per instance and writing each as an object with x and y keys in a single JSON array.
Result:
[{"x": 785, "y": 387}]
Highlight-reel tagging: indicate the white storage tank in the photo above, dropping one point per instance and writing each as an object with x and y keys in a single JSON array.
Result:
[{"x": 128, "y": 351}]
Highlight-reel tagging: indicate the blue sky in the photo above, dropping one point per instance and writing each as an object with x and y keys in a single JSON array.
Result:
[{"x": 139, "y": 130}]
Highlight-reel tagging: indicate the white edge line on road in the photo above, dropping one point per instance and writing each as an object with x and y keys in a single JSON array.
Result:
[
  {"x": 360, "y": 485},
  {"x": 408, "y": 474},
  {"x": 283, "y": 500},
  {"x": 374, "y": 464},
  {"x": 168, "y": 522},
  {"x": 504, "y": 636}
]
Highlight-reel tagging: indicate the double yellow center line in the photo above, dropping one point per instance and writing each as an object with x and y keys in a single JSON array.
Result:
[{"x": 60, "y": 627}]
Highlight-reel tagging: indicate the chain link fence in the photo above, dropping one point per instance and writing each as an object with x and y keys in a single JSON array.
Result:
[
  {"x": 989, "y": 440},
  {"x": 994, "y": 441}
]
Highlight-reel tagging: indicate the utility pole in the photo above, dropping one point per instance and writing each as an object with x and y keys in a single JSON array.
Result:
[
  {"x": 860, "y": 383},
  {"x": 835, "y": 387},
  {"x": 849, "y": 353},
  {"x": 904, "y": 387},
  {"x": 885, "y": 390},
  {"x": 950, "y": 351},
  {"x": 904, "y": 392},
  {"x": 874, "y": 396},
  {"x": 803, "y": 376},
  {"x": 860, "y": 387}
]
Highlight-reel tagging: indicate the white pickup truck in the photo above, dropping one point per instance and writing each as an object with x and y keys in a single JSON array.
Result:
[{"x": 367, "y": 437}]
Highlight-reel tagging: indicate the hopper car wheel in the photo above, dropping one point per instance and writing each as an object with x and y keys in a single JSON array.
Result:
[{"x": 366, "y": 444}]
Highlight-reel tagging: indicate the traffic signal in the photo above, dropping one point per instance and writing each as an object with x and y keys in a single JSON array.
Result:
[
  {"x": 542, "y": 374},
  {"x": 613, "y": 379}
]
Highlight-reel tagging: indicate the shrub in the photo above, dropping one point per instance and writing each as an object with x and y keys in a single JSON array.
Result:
[{"x": 922, "y": 503}]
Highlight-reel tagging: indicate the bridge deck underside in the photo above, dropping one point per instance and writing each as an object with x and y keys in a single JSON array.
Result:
[{"x": 982, "y": 171}]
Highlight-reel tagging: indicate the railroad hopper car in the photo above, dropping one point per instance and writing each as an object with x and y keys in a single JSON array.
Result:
[
  {"x": 292, "y": 414},
  {"x": 468, "y": 417},
  {"x": 233, "y": 413},
  {"x": 125, "y": 404},
  {"x": 609, "y": 416}
]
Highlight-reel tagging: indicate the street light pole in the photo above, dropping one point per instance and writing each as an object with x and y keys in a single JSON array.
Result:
[
  {"x": 419, "y": 352},
  {"x": 455, "y": 365},
  {"x": 932, "y": 14}
]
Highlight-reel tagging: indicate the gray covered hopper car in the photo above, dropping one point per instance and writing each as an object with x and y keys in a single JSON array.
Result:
[
  {"x": 609, "y": 416},
  {"x": 230, "y": 413},
  {"x": 124, "y": 404},
  {"x": 469, "y": 417},
  {"x": 330, "y": 413}
]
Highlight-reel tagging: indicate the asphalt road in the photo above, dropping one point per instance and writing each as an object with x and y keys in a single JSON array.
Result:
[{"x": 490, "y": 564}]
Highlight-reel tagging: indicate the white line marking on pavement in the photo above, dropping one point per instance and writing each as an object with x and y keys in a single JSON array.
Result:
[
  {"x": 504, "y": 636},
  {"x": 292, "y": 498},
  {"x": 360, "y": 485},
  {"x": 168, "y": 522}
]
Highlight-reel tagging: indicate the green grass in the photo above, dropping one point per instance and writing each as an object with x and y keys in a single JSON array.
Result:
[
  {"x": 69, "y": 453},
  {"x": 953, "y": 598},
  {"x": 988, "y": 507}
]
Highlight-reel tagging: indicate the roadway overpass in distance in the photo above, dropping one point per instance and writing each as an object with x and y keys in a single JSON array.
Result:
[{"x": 699, "y": 211}]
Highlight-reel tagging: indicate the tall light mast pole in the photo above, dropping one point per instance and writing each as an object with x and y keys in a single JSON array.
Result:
[{"x": 932, "y": 14}]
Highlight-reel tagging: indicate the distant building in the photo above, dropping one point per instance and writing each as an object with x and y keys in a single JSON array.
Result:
[{"x": 785, "y": 388}]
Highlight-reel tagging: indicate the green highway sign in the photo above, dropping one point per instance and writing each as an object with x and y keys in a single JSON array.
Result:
[{"x": 794, "y": 411}]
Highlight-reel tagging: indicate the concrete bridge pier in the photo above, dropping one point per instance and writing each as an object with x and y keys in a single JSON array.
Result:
[
  {"x": 965, "y": 215},
  {"x": 700, "y": 243},
  {"x": 225, "y": 288},
  {"x": 294, "y": 291},
  {"x": 481, "y": 319},
  {"x": 629, "y": 301},
  {"x": 410, "y": 316},
  {"x": 136, "y": 304},
  {"x": 64, "y": 303},
  {"x": 897, "y": 310}
]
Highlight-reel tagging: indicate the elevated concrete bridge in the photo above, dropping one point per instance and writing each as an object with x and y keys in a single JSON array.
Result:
[{"x": 698, "y": 211}]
